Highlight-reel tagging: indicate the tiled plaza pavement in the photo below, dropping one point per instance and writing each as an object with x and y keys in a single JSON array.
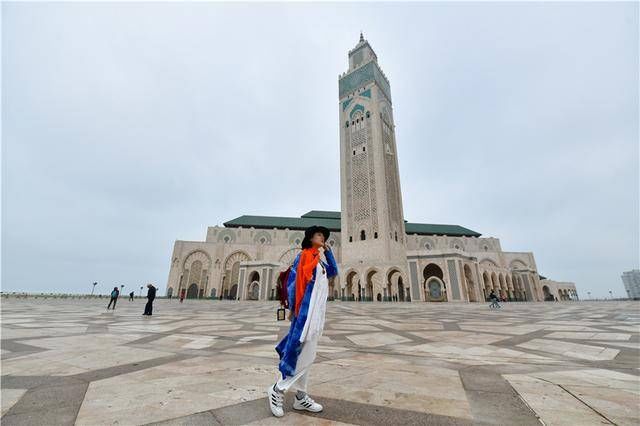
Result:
[{"x": 203, "y": 362}]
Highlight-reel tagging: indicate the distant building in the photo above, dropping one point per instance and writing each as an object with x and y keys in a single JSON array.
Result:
[
  {"x": 631, "y": 280},
  {"x": 556, "y": 289}
]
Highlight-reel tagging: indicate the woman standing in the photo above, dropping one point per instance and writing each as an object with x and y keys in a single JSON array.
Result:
[{"x": 308, "y": 287}]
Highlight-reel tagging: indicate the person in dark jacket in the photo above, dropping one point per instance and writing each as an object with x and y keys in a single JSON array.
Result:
[
  {"x": 151, "y": 294},
  {"x": 114, "y": 298},
  {"x": 131, "y": 297},
  {"x": 494, "y": 300}
]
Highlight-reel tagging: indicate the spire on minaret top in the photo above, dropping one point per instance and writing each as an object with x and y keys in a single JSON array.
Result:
[{"x": 361, "y": 54}]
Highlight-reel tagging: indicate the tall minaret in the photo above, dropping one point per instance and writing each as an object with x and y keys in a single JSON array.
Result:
[{"x": 373, "y": 232}]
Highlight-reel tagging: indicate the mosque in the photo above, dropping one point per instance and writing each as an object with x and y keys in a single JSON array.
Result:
[{"x": 381, "y": 256}]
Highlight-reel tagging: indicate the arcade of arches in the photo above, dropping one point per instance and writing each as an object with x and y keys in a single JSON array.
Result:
[
  {"x": 244, "y": 264},
  {"x": 374, "y": 286},
  {"x": 440, "y": 281}
]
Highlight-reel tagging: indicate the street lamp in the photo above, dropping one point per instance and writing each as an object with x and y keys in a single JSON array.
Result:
[
  {"x": 141, "y": 287},
  {"x": 610, "y": 295},
  {"x": 589, "y": 293},
  {"x": 94, "y": 287}
]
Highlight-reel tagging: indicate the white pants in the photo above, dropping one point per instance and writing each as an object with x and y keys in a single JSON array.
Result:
[{"x": 299, "y": 380}]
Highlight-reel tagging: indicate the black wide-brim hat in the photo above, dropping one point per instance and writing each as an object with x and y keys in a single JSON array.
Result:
[{"x": 310, "y": 231}]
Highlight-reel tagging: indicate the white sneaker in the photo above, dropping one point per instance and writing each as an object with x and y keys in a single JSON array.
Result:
[
  {"x": 276, "y": 400},
  {"x": 306, "y": 403}
]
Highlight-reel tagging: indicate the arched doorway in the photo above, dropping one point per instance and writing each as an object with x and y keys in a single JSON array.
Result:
[
  {"x": 352, "y": 279},
  {"x": 547, "y": 294},
  {"x": 394, "y": 286},
  {"x": 169, "y": 292},
  {"x": 254, "y": 291},
  {"x": 213, "y": 293},
  {"x": 192, "y": 292},
  {"x": 224, "y": 288},
  {"x": 232, "y": 273},
  {"x": 373, "y": 284},
  {"x": 379, "y": 297},
  {"x": 195, "y": 271},
  {"x": 434, "y": 289},
  {"x": 330, "y": 296}
]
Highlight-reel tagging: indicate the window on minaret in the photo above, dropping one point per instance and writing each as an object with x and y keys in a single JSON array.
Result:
[
  {"x": 375, "y": 235},
  {"x": 350, "y": 239},
  {"x": 396, "y": 235},
  {"x": 362, "y": 236},
  {"x": 357, "y": 121}
]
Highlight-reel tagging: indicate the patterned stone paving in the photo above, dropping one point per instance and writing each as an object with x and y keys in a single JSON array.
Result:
[{"x": 203, "y": 362}]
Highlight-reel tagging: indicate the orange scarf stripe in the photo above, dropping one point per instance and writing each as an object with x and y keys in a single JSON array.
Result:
[{"x": 309, "y": 259}]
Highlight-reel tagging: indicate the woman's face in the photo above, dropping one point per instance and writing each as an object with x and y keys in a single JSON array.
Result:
[{"x": 318, "y": 239}]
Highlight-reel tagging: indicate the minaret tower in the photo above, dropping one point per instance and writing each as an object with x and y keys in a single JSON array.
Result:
[{"x": 372, "y": 228}]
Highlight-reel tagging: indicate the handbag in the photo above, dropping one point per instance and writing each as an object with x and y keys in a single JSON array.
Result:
[{"x": 280, "y": 314}]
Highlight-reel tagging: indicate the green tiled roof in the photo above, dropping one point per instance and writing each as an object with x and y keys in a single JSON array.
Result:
[
  {"x": 436, "y": 229},
  {"x": 331, "y": 220},
  {"x": 322, "y": 214},
  {"x": 270, "y": 222}
]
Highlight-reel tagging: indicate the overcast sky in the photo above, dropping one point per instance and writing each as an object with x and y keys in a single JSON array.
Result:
[{"x": 128, "y": 126}]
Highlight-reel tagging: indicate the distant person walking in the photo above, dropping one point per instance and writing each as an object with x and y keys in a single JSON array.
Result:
[
  {"x": 114, "y": 298},
  {"x": 494, "y": 300},
  {"x": 151, "y": 294},
  {"x": 131, "y": 296},
  {"x": 182, "y": 294}
]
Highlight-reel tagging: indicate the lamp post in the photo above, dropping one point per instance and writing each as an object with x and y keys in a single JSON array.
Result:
[
  {"x": 141, "y": 287},
  {"x": 610, "y": 295},
  {"x": 589, "y": 293},
  {"x": 94, "y": 287}
]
